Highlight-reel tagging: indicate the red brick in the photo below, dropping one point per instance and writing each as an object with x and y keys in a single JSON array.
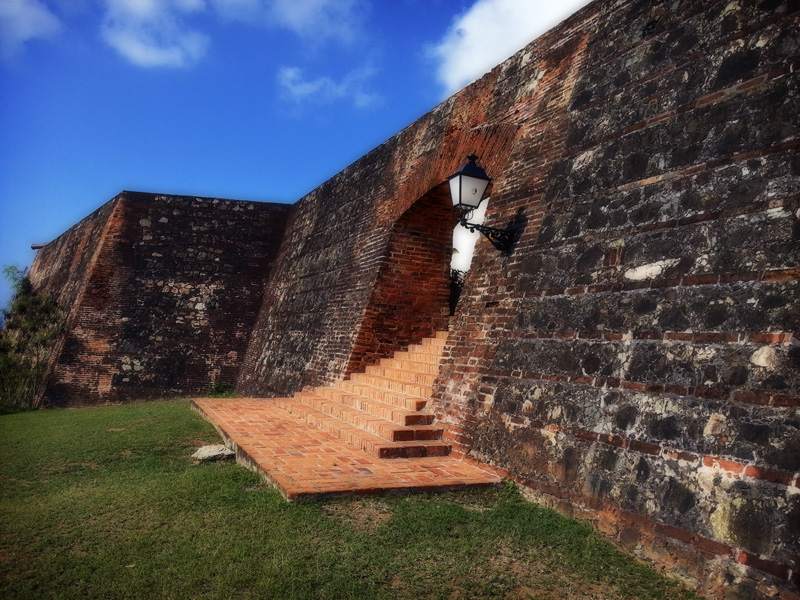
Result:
[
  {"x": 724, "y": 464},
  {"x": 678, "y": 335},
  {"x": 644, "y": 447},
  {"x": 712, "y": 546},
  {"x": 751, "y": 397},
  {"x": 632, "y": 385},
  {"x": 674, "y": 532},
  {"x": 781, "y": 275},
  {"x": 710, "y": 337},
  {"x": 771, "y": 475},
  {"x": 785, "y": 400},
  {"x": 714, "y": 393},
  {"x": 771, "y": 338},
  {"x": 588, "y": 436},
  {"x": 767, "y": 566},
  {"x": 687, "y": 456},
  {"x": 614, "y": 440}
]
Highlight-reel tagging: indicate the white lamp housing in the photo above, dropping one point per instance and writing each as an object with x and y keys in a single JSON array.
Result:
[{"x": 468, "y": 185}]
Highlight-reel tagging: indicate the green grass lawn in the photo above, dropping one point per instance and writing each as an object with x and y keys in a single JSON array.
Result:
[{"x": 107, "y": 503}]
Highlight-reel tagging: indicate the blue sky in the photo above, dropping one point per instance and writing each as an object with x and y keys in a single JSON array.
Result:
[{"x": 245, "y": 99}]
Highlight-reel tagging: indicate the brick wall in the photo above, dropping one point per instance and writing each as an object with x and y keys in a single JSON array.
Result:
[
  {"x": 170, "y": 288},
  {"x": 342, "y": 257},
  {"x": 62, "y": 269},
  {"x": 409, "y": 300}
]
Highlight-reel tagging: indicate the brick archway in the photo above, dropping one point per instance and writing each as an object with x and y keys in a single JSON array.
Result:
[{"x": 410, "y": 297}]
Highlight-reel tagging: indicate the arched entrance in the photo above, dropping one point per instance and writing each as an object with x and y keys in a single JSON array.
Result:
[{"x": 410, "y": 299}]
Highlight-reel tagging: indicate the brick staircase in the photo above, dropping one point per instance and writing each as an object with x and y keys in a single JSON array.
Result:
[
  {"x": 381, "y": 411},
  {"x": 369, "y": 435}
]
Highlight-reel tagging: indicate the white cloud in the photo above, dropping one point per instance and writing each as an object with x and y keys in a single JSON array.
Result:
[
  {"x": 156, "y": 33},
  {"x": 153, "y": 33},
  {"x": 297, "y": 88},
  {"x": 24, "y": 20},
  {"x": 312, "y": 20},
  {"x": 326, "y": 19},
  {"x": 491, "y": 31},
  {"x": 151, "y": 48}
]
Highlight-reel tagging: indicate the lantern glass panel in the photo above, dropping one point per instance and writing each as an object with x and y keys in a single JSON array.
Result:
[
  {"x": 471, "y": 190},
  {"x": 455, "y": 190}
]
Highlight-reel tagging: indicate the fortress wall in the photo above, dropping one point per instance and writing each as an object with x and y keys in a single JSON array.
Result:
[
  {"x": 61, "y": 267},
  {"x": 169, "y": 300},
  {"x": 636, "y": 360}
]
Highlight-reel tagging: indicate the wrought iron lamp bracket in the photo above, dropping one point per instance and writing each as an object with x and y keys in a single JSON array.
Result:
[{"x": 502, "y": 239}]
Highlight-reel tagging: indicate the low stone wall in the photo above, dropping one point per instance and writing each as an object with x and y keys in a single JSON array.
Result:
[{"x": 163, "y": 290}]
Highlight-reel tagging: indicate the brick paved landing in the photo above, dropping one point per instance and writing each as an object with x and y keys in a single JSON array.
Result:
[
  {"x": 305, "y": 462},
  {"x": 370, "y": 434}
]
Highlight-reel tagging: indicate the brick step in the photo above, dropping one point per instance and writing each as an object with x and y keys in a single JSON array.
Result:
[
  {"x": 390, "y": 412},
  {"x": 394, "y": 385},
  {"x": 413, "y": 403},
  {"x": 384, "y": 428},
  {"x": 440, "y": 339},
  {"x": 359, "y": 438},
  {"x": 405, "y": 375},
  {"x": 429, "y": 349},
  {"x": 416, "y": 357},
  {"x": 380, "y": 411},
  {"x": 410, "y": 365},
  {"x": 309, "y": 445}
]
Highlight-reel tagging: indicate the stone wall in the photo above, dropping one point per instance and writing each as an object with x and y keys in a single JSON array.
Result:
[
  {"x": 638, "y": 361},
  {"x": 163, "y": 290},
  {"x": 634, "y": 361}
]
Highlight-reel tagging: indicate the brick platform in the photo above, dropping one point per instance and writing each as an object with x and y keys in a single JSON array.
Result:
[
  {"x": 370, "y": 435},
  {"x": 306, "y": 463}
]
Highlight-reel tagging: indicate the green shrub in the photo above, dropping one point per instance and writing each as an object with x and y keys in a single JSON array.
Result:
[
  {"x": 220, "y": 389},
  {"x": 32, "y": 324}
]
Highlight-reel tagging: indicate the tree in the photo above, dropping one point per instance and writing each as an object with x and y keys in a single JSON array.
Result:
[{"x": 32, "y": 324}]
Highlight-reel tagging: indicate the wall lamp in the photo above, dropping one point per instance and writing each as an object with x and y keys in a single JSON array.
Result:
[{"x": 467, "y": 187}]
